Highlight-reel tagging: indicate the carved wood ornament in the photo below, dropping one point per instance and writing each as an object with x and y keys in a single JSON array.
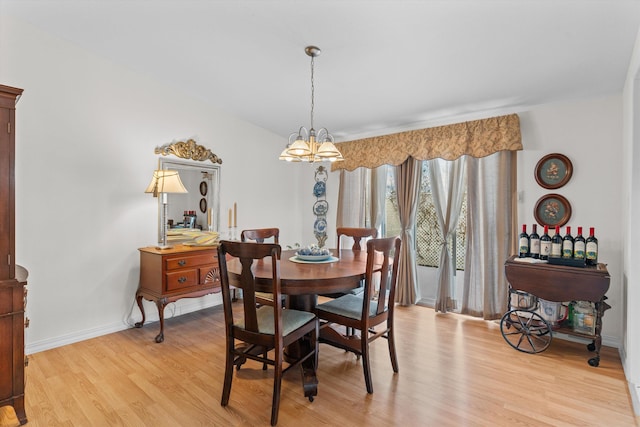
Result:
[{"x": 188, "y": 150}]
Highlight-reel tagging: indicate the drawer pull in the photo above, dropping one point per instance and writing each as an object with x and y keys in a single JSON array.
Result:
[
  {"x": 182, "y": 279},
  {"x": 182, "y": 263}
]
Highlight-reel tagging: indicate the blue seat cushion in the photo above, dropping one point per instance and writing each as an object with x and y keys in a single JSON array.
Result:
[
  {"x": 291, "y": 320},
  {"x": 348, "y": 306}
]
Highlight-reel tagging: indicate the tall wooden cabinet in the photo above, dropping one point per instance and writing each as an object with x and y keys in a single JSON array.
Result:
[{"x": 12, "y": 277}]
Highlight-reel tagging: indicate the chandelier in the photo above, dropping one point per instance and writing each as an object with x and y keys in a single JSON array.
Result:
[{"x": 309, "y": 145}]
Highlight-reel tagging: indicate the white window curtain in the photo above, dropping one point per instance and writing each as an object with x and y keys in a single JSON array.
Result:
[
  {"x": 491, "y": 225},
  {"x": 361, "y": 197},
  {"x": 447, "y": 188}
]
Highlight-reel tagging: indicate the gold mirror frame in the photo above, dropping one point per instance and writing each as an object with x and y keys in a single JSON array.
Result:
[{"x": 188, "y": 149}]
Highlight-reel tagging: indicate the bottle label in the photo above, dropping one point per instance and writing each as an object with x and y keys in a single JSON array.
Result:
[
  {"x": 535, "y": 246},
  {"x": 524, "y": 245},
  {"x": 578, "y": 250},
  {"x": 556, "y": 249},
  {"x": 545, "y": 248},
  {"x": 567, "y": 249},
  {"x": 592, "y": 250}
]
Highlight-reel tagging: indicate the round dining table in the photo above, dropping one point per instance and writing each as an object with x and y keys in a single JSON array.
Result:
[{"x": 302, "y": 282}]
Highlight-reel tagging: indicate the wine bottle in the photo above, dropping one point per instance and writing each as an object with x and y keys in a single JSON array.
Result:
[
  {"x": 567, "y": 244},
  {"x": 556, "y": 244},
  {"x": 523, "y": 242},
  {"x": 579, "y": 245},
  {"x": 592, "y": 248},
  {"x": 534, "y": 242},
  {"x": 545, "y": 244}
]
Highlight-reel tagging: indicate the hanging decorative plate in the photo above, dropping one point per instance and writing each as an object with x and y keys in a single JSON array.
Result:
[
  {"x": 552, "y": 210},
  {"x": 320, "y": 207},
  {"x": 203, "y": 205},
  {"x": 553, "y": 171},
  {"x": 203, "y": 188},
  {"x": 320, "y": 226},
  {"x": 319, "y": 188}
]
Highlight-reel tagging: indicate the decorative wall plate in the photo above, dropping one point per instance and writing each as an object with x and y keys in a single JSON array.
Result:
[
  {"x": 203, "y": 188},
  {"x": 321, "y": 207},
  {"x": 203, "y": 205},
  {"x": 319, "y": 188},
  {"x": 320, "y": 226},
  {"x": 552, "y": 210},
  {"x": 553, "y": 171}
]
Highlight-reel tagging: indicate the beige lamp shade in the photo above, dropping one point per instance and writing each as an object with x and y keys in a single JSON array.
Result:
[{"x": 165, "y": 181}]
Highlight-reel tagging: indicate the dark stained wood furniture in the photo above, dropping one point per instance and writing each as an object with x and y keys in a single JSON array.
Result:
[
  {"x": 562, "y": 283},
  {"x": 262, "y": 328},
  {"x": 260, "y": 234},
  {"x": 167, "y": 275},
  {"x": 357, "y": 234},
  {"x": 303, "y": 282},
  {"x": 366, "y": 311},
  {"x": 13, "y": 278}
]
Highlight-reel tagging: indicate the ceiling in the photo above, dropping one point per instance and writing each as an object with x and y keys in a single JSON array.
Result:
[{"x": 386, "y": 65}]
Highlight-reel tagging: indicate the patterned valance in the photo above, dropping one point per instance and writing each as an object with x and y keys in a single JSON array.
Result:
[{"x": 477, "y": 138}]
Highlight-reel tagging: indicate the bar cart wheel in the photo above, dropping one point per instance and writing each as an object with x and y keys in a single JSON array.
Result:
[
  {"x": 526, "y": 331},
  {"x": 591, "y": 347},
  {"x": 594, "y": 361}
]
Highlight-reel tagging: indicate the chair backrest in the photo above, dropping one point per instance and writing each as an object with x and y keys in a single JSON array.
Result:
[
  {"x": 383, "y": 256},
  {"x": 357, "y": 234},
  {"x": 260, "y": 234},
  {"x": 248, "y": 253}
]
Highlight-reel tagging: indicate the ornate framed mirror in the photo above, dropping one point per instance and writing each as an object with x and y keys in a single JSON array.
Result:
[{"x": 199, "y": 171}]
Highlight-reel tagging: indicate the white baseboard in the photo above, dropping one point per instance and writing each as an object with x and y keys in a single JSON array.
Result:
[
  {"x": 179, "y": 308},
  {"x": 634, "y": 390}
]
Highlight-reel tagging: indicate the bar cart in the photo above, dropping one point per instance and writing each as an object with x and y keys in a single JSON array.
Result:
[{"x": 524, "y": 328}]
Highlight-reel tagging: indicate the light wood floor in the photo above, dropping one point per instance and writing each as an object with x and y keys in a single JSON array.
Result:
[{"x": 454, "y": 371}]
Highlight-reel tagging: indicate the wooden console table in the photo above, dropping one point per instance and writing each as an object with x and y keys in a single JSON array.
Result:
[
  {"x": 563, "y": 283},
  {"x": 167, "y": 275}
]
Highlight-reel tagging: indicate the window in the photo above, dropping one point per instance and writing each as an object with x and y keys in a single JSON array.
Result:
[{"x": 428, "y": 240}]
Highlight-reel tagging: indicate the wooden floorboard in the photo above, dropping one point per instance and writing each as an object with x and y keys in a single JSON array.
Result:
[{"x": 454, "y": 371}]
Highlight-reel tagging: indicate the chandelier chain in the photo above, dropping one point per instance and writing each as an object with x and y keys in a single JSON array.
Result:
[{"x": 312, "y": 91}]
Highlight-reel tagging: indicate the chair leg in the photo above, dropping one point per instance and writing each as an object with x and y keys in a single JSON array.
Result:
[
  {"x": 264, "y": 365},
  {"x": 228, "y": 377},
  {"x": 277, "y": 385},
  {"x": 366, "y": 366},
  {"x": 392, "y": 349}
]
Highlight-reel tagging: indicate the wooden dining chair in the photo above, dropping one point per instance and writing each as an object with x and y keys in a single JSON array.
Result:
[
  {"x": 260, "y": 329},
  {"x": 356, "y": 234},
  {"x": 259, "y": 235},
  {"x": 366, "y": 311}
]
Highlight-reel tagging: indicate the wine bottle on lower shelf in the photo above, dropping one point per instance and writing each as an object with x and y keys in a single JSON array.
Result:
[
  {"x": 592, "y": 248},
  {"x": 545, "y": 244},
  {"x": 523, "y": 243},
  {"x": 579, "y": 245},
  {"x": 567, "y": 244},
  {"x": 556, "y": 244},
  {"x": 534, "y": 242}
]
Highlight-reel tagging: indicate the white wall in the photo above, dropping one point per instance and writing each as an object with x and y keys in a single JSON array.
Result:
[
  {"x": 630, "y": 352},
  {"x": 86, "y": 131}
]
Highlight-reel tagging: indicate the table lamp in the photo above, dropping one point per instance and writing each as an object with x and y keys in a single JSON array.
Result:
[{"x": 164, "y": 182}]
